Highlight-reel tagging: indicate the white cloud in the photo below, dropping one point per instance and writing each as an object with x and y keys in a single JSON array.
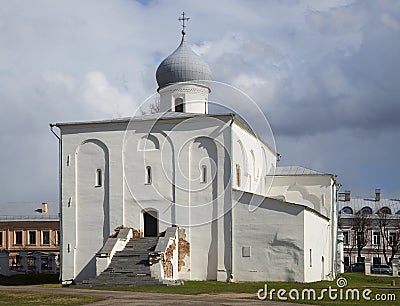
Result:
[{"x": 102, "y": 98}]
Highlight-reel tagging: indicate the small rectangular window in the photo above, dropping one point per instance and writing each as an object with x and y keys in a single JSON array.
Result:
[
  {"x": 148, "y": 175},
  {"x": 32, "y": 237},
  {"x": 45, "y": 237},
  {"x": 392, "y": 238},
  {"x": 345, "y": 238},
  {"x": 18, "y": 237},
  {"x": 179, "y": 105},
  {"x": 99, "y": 178},
  {"x": 238, "y": 175},
  {"x": 376, "y": 238},
  {"x": 203, "y": 174},
  {"x": 246, "y": 251},
  {"x": 310, "y": 258}
]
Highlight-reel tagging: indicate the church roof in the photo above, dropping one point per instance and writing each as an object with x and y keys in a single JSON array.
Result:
[
  {"x": 28, "y": 211},
  {"x": 182, "y": 65},
  {"x": 147, "y": 117},
  {"x": 239, "y": 193},
  {"x": 297, "y": 170}
]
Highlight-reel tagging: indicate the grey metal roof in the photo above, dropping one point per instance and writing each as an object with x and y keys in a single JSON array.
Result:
[
  {"x": 356, "y": 204},
  {"x": 149, "y": 117},
  {"x": 28, "y": 211},
  {"x": 182, "y": 65},
  {"x": 297, "y": 170}
]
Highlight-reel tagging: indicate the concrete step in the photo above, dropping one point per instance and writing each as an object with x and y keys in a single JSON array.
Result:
[{"x": 129, "y": 267}]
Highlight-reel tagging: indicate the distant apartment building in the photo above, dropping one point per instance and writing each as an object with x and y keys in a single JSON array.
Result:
[
  {"x": 370, "y": 227},
  {"x": 29, "y": 227}
]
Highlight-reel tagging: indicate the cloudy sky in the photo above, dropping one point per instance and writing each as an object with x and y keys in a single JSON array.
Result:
[{"x": 325, "y": 74}]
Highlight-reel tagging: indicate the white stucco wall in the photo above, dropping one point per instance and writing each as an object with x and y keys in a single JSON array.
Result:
[
  {"x": 274, "y": 233},
  {"x": 84, "y": 211},
  {"x": 184, "y": 146},
  {"x": 314, "y": 191},
  {"x": 255, "y": 159},
  {"x": 176, "y": 150},
  {"x": 318, "y": 240},
  {"x": 194, "y": 97}
]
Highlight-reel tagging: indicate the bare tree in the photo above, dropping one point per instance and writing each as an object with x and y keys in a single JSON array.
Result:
[
  {"x": 361, "y": 224},
  {"x": 389, "y": 228},
  {"x": 152, "y": 108},
  {"x": 394, "y": 242},
  {"x": 383, "y": 224},
  {"x": 155, "y": 106}
]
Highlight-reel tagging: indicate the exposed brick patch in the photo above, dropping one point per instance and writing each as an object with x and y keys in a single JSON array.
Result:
[
  {"x": 183, "y": 249},
  {"x": 136, "y": 233},
  {"x": 167, "y": 261},
  {"x": 116, "y": 231}
]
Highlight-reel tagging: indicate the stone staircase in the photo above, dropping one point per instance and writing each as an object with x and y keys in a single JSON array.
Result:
[{"x": 129, "y": 267}]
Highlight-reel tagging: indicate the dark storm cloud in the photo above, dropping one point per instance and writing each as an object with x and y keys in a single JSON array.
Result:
[
  {"x": 324, "y": 73},
  {"x": 338, "y": 70}
]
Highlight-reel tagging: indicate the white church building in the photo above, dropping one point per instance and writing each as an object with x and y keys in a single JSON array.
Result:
[{"x": 206, "y": 184}]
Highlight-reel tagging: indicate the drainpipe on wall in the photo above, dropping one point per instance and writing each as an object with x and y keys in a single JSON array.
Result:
[
  {"x": 59, "y": 194},
  {"x": 334, "y": 214}
]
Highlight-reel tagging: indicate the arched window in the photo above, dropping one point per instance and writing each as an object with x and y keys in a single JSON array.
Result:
[
  {"x": 347, "y": 210},
  {"x": 253, "y": 164},
  {"x": 99, "y": 178},
  {"x": 366, "y": 210},
  {"x": 238, "y": 175},
  {"x": 179, "y": 105},
  {"x": 385, "y": 211},
  {"x": 203, "y": 178},
  {"x": 148, "y": 175}
]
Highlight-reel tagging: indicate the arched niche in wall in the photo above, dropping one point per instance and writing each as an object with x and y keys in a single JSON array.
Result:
[
  {"x": 252, "y": 167},
  {"x": 240, "y": 167},
  {"x": 264, "y": 171},
  {"x": 148, "y": 143},
  {"x": 92, "y": 204},
  {"x": 203, "y": 193}
]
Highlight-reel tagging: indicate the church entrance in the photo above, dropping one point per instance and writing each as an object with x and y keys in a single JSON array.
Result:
[{"x": 150, "y": 219}]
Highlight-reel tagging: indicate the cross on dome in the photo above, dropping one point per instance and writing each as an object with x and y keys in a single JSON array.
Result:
[
  {"x": 183, "y": 65},
  {"x": 183, "y": 19}
]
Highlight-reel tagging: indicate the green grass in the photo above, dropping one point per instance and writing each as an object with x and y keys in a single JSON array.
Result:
[
  {"x": 11, "y": 298},
  {"x": 378, "y": 285}
]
